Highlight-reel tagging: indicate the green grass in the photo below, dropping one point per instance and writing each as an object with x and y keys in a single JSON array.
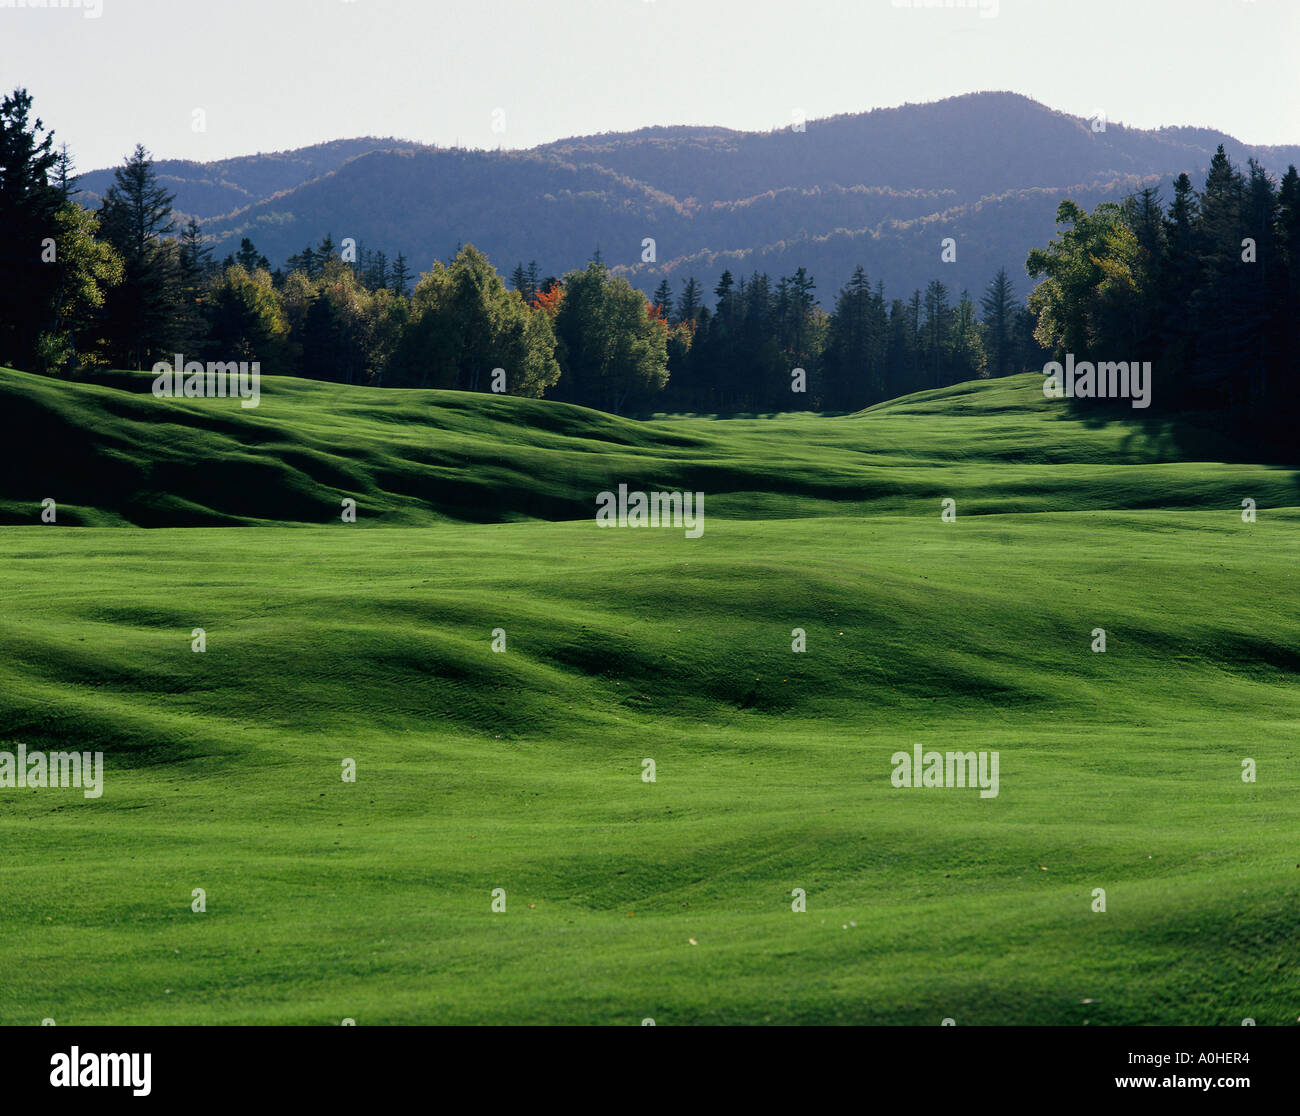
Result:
[
  {"x": 114, "y": 457},
  {"x": 522, "y": 770}
]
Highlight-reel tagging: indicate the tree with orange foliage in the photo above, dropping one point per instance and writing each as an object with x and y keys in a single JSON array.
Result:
[{"x": 548, "y": 300}]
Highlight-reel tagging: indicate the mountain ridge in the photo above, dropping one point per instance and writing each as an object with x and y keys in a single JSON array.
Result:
[{"x": 706, "y": 193}]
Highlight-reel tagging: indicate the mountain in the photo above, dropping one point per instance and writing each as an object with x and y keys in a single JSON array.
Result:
[
  {"x": 208, "y": 190},
  {"x": 980, "y": 144},
  {"x": 880, "y": 188}
]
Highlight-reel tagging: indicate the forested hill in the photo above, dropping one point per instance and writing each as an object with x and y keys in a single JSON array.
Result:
[{"x": 881, "y": 188}]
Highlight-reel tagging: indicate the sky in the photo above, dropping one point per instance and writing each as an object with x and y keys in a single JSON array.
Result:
[{"x": 208, "y": 80}]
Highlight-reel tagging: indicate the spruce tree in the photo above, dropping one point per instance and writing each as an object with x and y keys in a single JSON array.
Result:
[
  {"x": 29, "y": 202},
  {"x": 136, "y": 219},
  {"x": 689, "y": 303},
  {"x": 400, "y": 280},
  {"x": 663, "y": 298},
  {"x": 997, "y": 309}
]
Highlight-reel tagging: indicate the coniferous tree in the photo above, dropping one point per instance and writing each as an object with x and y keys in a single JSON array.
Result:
[
  {"x": 1260, "y": 285},
  {"x": 853, "y": 364},
  {"x": 305, "y": 261},
  {"x": 249, "y": 258},
  {"x": 136, "y": 219},
  {"x": 899, "y": 358},
  {"x": 1203, "y": 293},
  {"x": 65, "y": 176},
  {"x": 194, "y": 269},
  {"x": 663, "y": 299},
  {"x": 915, "y": 346},
  {"x": 799, "y": 306},
  {"x": 29, "y": 202},
  {"x": 400, "y": 280},
  {"x": 1178, "y": 281},
  {"x": 997, "y": 308},
  {"x": 760, "y": 352},
  {"x": 938, "y": 328},
  {"x": 689, "y": 303}
]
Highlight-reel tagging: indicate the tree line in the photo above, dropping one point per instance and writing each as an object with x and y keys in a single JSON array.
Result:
[
  {"x": 124, "y": 286},
  {"x": 1205, "y": 288}
]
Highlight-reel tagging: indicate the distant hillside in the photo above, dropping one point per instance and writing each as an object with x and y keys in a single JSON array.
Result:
[
  {"x": 427, "y": 202},
  {"x": 208, "y": 190},
  {"x": 978, "y": 145},
  {"x": 880, "y": 188}
]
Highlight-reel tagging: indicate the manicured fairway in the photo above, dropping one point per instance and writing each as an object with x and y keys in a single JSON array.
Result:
[{"x": 522, "y": 770}]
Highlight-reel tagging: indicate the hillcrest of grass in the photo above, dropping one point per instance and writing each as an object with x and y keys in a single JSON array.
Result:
[{"x": 116, "y": 456}]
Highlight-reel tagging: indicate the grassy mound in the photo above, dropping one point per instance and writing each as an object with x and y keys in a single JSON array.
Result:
[{"x": 115, "y": 455}]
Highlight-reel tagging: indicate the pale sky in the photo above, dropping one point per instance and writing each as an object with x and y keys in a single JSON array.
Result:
[{"x": 275, "y": 74}]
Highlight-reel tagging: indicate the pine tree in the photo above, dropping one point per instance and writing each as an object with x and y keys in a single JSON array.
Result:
[
  {"x": 853, "y": 364},
  {"x": 194, "y": 267},
  {"x": 898, "y": 351},
  {"x": 1263, "y": 334},
  {"x": 938, "y": 324},
  {"x": 376, "y": 275},
  {"x": 136, "y": 218},
  {"x": 1288, "y": 239},
  {"x": 915, "y": 346},
  {"x": 997, "y": 308},
  {"x": 663, "y": 298},
  {"x": 1218, "y": 303},
  {"x": 195, "y": 256},
  {"x": 689, "y": 304},
  {"x": 249, "y": 258},
  {"x": 65, "y": 176},
  {"x": 1220, "y": 217},
  {"x": 1147, "y": 221},
  {"x": 304, "y": 261},
  {"x": 800, "y": 307},
  {"x": 724, "y": 306},
  {"x": 29, "y": 202},
  {"x": 400, "y": 280},
  {"x": 1179, "y": 272}
]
